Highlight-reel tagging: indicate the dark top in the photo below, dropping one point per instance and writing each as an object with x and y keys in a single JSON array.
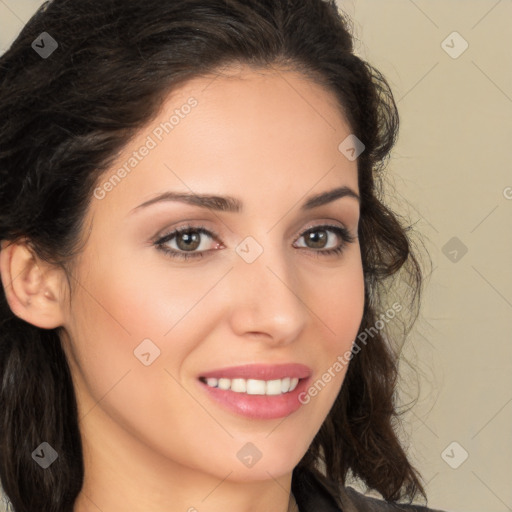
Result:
[{"x": 312, "y": 494}]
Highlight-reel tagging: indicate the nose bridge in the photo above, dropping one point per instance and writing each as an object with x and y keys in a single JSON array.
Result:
[{"x": 267, "y": 290}]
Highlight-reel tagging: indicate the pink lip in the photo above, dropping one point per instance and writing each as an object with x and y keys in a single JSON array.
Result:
[
  {"x": 259, "y": 406},
  {"x": 261, "y": 371}
]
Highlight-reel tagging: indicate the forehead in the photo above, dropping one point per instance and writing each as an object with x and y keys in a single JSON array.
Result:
[
  {"x": 239, "y": 132},
  {"x": 242, "y": 89}
]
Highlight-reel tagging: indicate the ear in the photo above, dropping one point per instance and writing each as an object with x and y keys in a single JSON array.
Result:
[{"x": 33, "y": 288}]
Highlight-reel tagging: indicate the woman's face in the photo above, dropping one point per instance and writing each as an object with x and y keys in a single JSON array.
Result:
[{"x": 258, "y": 291}]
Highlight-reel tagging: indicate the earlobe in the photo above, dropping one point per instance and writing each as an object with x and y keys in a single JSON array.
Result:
[{"x": 32, "y": 286}]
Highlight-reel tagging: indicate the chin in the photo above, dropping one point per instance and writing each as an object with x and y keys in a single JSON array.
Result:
[{"x": 274, "y": 463}]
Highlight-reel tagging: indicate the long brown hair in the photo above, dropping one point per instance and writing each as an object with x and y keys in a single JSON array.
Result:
[{"x": 63, "y": 119}]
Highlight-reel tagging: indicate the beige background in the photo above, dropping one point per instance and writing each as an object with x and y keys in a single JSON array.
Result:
[{"x": 453, "y": 165}]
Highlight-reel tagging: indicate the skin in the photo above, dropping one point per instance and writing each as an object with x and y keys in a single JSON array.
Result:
[{"x": 152, "y": 437}]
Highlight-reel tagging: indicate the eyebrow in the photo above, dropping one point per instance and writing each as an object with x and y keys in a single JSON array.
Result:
[{"x": 234, "y": 205}]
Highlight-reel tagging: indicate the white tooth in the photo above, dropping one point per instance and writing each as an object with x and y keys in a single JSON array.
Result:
[
  {"x": 274, "y": 387},
  {"x": 212, "y": 381},
  {"x": 285, "y": 384},
  {"x": 224, "y": 383},
  {"x": 255, "y": 387},
  {"x": 238, "y": 385}
]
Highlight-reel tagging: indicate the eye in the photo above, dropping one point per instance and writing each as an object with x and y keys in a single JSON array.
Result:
[
  {"x": 312, "y": 236},
  {"x": 188, "y": 240}
]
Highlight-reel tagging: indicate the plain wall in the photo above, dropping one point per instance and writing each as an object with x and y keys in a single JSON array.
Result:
[
  {"x": 453, "y": 164},
  {"x": 452, "y": 174}
]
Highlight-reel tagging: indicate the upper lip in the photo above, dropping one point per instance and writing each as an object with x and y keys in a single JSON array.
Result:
[{"x": 261, "y": 371}]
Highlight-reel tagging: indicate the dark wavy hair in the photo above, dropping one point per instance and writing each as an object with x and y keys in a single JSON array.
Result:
[{"x": 63, "y": 121}]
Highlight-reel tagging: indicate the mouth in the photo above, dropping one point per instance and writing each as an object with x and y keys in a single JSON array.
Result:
[{"x": 257, "y": 391}]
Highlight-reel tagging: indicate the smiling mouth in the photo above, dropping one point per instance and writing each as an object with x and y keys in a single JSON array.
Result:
[{"x": 253, "y": 386}]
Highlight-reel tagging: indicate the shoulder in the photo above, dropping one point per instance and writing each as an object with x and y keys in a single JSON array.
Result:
[{"x": 315, "y": 493}]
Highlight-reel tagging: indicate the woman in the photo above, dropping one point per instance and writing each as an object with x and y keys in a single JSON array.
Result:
[{"x": 193, "y": 261}]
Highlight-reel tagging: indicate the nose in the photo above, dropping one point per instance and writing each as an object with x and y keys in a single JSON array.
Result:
[{"x": 267, "y": 302}]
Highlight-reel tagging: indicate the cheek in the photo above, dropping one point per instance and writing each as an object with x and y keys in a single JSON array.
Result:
[
  {"x": 340, "y": 310},
  {"x": 114, "y": 309},
  {"x": 342, "y": 303},
  {"x": 127, "y": 300},
  {"x": 127, "y": 312},
  {"x": 120, "y": 317}
]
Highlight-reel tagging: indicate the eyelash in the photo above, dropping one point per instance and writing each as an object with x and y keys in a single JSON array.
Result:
[{"x": 342, "y": 232}]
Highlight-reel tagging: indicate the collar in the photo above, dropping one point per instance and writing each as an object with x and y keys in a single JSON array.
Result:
[
  {"x": 315, "y": 493},
  {"x": 312, "y": 493}
]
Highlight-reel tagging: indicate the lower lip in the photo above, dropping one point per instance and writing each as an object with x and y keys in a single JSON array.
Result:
[{"x": 263, "y": 407}]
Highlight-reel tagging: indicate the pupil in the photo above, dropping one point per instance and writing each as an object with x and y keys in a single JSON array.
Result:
[
  {"x": 315, "y": 237},
  {"x": 189, "y": 239}
]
